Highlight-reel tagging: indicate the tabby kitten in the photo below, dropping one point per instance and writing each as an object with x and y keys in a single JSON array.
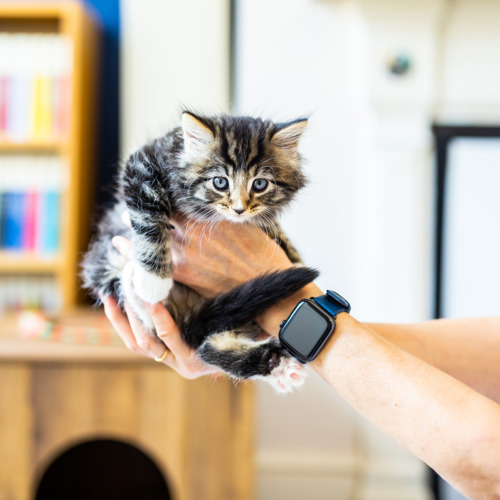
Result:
[{"x": 242, "y": 169}]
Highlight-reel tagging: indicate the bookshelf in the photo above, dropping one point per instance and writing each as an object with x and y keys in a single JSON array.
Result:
[{"x": 48, "y": 72}]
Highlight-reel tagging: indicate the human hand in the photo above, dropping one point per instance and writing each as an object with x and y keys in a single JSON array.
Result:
[
  {"x": 179, "y": 355},
  {"x": 136, "y": 338},
  {"x": 216, "y": 260},
  {"x": 213, "y": 261}
]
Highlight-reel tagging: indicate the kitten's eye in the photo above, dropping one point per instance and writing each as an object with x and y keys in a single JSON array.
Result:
[
  {"x": 221, "y": 183},
  {"x": 260, "y": 184}
]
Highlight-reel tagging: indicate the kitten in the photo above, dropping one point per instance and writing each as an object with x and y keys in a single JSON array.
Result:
[{"x": 242, "y": 169}]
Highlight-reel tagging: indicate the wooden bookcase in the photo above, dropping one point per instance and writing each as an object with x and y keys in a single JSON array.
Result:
[{"x": 76, "y": 149}]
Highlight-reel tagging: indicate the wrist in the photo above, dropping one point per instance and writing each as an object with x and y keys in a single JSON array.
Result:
[
  {"x": 270, "y": 319},
  {"x": 345, "y": 325}
]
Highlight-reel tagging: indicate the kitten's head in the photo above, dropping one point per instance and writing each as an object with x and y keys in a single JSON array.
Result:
[{"x": 243, "y": 169}]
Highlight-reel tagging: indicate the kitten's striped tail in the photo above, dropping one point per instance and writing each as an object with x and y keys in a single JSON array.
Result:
[{"x": 242, "y": 304}]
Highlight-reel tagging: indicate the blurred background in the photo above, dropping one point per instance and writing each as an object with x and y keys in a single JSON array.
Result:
[{"x": 402, "y": 150}]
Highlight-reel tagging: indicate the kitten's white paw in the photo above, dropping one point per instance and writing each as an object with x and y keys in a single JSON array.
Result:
[
  {"x": 148, "y": 286},
  {"x": 132, "y": 298},
  {"x": 289, "y": 374}
]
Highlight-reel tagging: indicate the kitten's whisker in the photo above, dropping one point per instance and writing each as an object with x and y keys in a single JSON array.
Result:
[
  {"x": 217, "y": 220},
  {"x": 269, "y": 224},
  {"x": 192, "y": 225}
]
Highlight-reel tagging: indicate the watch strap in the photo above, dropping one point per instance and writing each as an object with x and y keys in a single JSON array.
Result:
[{"x": 333, "y": 303}]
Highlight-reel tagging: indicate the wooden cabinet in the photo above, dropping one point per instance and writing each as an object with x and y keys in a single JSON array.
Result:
[{"x": 56, "y": 396}]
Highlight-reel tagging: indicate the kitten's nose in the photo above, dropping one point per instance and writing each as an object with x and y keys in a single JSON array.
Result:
[{"x": 239, "y": 211}]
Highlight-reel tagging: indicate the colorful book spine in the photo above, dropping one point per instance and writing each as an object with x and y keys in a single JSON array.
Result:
[
  {"x": 29, "y": 292},
  {"x": 35, "y": 77},
  {"x": 15, "y": 213},
  {"x": 4, "y": 96},
  {"x": 30, "y": 222},
  {"x": 2, "y": 219},
  {"x": 50, "y": 210},
  {"x": 19, "y": 104},
  {"x": 30, "y": 194}
]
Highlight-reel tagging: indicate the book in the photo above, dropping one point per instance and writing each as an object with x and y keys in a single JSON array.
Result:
[
  {"x": 14, "y": 215},
  {"x": 31, "y": 221},
  {"x": 29, "y": 292},
  {"x": 4, "y": 81},
  {"x": 2, "y": 219},
  {"x": 49, "y": 222},
  {"x": 35, "y": 76},
  {"x": 31, "y": 187}
]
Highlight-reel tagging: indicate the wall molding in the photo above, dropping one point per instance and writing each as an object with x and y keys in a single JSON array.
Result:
[{"x": 371, "y": 478}]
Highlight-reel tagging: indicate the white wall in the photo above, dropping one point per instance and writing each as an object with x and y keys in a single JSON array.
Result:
[
  {"x": 173, "y": 54},
  {"x": 363, "y": 219},
  {"x": 366, "y": 219}
]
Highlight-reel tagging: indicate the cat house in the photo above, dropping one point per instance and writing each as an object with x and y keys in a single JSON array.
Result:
[{"x": 79, "y": 420}]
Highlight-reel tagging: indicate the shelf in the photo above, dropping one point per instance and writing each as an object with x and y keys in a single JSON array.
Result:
[
  {"x": 15, "y": 347},
  {"x": 17, "y": 262},
  {"x": 32, "y": 147}
]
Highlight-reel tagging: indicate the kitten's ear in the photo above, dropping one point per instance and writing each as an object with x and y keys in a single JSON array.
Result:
[
  {"x": 288, "y": 134},
  {"x": 196, "y": 134}
]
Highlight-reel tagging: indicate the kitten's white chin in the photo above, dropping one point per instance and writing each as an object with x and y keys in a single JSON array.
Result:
[{"x": 238, "y": 218}]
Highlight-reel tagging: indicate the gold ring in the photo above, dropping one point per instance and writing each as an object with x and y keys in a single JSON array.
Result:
[{"x": 159, "y": 359}]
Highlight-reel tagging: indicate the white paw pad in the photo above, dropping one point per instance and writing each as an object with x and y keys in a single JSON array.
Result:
[
  {"x": 289, "y": 374},
  {"x": 148, "y": 286}
]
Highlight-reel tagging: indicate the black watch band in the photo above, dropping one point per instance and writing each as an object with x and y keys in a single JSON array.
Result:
[{"x": 332, "y": 302}]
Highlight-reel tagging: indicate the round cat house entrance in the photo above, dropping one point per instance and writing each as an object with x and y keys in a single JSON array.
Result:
[{"x": 101, "y": 470}]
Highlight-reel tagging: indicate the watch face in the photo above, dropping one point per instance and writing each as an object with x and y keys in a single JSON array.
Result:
[{"x": 305, "y": 330}]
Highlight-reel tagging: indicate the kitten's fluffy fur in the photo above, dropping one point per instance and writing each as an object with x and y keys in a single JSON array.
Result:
[{"x": 211, "y": 168}]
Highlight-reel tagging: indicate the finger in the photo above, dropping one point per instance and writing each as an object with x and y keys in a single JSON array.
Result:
[
  {"x": 123, "y": 245},
  {"x": 120, "y": 323},
  {"x": 166, "y": 329},
  {"x": 125, "y": 217},
  {"x": 187, "y": 363},
  {"x": 149, "y": 344},
  {"x": 169, "y": 333}
]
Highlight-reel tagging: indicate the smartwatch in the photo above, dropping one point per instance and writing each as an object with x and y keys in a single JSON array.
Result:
[{"x": 311, "y": 324}]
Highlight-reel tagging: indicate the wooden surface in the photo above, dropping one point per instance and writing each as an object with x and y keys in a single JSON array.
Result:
[
  {"x": 27, "y": 262},
  {"x": 56, "y": 147},
  {"x": 77, "y": 24},
  {"x": 54, "y": 395},
  {"x": 14, "y": 346},
  {"x": 199, "y": 433}
]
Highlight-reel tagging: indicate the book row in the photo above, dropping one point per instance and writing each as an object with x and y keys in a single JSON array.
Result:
[
  {"x": 35, "y": 86},
  {"x": 29, "y": 222},
  {"x": 29, "y": 292},
  {"x": 31, "y": 190}
]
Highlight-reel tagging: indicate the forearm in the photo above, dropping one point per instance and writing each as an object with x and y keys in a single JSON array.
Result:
[
  {"x": 442, "y": 421},
  {"x": 467, "y": 349},
  {"x": 436, "y": 417}
]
